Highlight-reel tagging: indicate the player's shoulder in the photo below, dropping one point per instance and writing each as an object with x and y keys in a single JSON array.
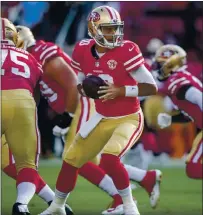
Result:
[
  {"x": 130, "y": 55},
  {"x": 81, "y": 47},
  {"x": 182, "y": 72},
  {"x": 130, "y": 46},
  {"x": 84, "y": 44},
  {"x": 178, "y": 79},
  {"x": 43, "y": 51},
  {"x": 42, "y": 43},
  {"x": 129, "y": 50},
  {"x": 44, "y": 47}
]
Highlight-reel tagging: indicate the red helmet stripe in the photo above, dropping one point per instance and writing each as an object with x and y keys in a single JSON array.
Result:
[
  {"x": 109, "y": 11},
  {"x": 115, "y": 13},
  {"x": 3, "y": 29}
]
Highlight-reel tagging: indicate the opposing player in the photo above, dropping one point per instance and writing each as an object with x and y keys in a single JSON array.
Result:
[
  {"x": 118, "y": 122},
  {"x": 20, "y": 73},
  {"x": 184, "y": 94}
]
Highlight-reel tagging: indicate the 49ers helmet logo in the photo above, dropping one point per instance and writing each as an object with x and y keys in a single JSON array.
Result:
[
  {"x": 112, "y": 64},
  {"x": 94, "y": 16}
]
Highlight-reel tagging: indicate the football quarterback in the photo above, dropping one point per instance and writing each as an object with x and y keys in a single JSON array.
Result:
[{"x": 118, "y": 121}]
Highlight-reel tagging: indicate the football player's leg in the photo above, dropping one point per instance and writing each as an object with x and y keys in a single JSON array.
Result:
[
  {"x": 194, "y": 160},
  {"x": 98, "y": 177},
  {"x": 149, "y": 180},
  {"x": 124, "y": 136},
  {"x": 7, "y": 160},
  {"x": 23, "y": 140},
  {"x": 81, "y": 151},
  {"x": 89, "y": 171},
  {"x": 9, "y": 168}
]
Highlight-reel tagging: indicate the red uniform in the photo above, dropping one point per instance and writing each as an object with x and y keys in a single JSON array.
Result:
[
  {"x": 20, "y": 73},
  {"x": 55, "y": 94},
  {"x": 172, "y": 85},
  {"x": 113, "y": 67},
  {"x": 20, "y": 70}
]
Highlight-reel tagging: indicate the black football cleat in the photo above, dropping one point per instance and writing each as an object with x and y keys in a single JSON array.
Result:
[
  {"x": 67, "y": 209},
  {"x": 20, "y": 209}
]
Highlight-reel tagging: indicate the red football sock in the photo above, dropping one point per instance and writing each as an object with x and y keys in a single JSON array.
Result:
[
  {"x": 67, "y": 178},
  {"x": 149, "y": 181},
  {"x": 10, "y": 170},
  {"x": 194, "y": 170},
  {"x": 92, "y": 173},
  {"x": 95, "y": 175},
  {"x": 28, "y": 175},
  {"x": 115, "y": 169},
  {"x": 117, "y": 201},
  {"x": 41, "y": 185}
]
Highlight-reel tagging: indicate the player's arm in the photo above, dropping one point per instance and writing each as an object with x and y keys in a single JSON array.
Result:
[
  {"x": 81, "y": 77},
  {"x": 146, "y": 83},
  {"x": 191, "y": 94},
  {"x": 57, "y": 69}
]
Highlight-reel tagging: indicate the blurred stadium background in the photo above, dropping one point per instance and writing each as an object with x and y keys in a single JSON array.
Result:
[{"x": 147, "y": 24}]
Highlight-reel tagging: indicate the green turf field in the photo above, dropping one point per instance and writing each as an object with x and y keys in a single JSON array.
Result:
[{"x": 179, "y": 195}]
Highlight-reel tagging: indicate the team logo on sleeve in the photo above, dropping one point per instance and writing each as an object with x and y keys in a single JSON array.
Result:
[
  {"x": 112, "y": 64},
  {"x": 95, "y": 17}
]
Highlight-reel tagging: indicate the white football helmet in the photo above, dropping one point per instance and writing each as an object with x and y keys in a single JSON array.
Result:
[
  {"x": 8, "y": 31},
  {"x": 26, "y": 37},
  {"x": 105, "y": 27},
  {"x": 168, "y": 59}
]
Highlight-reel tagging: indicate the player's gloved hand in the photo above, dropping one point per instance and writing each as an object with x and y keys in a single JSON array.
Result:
[
  {"x": 62, "y": 123},
  {"x": 111, "y": 92},
  {"x": 164, "y": 120},
  {"x": 81, "y": 90}
]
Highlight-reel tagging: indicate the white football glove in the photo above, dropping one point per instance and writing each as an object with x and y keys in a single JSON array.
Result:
[
  {"x": 164, "y": 120},
  {"x": 60, "y": 132},
  {"x": 25, "y": 36}
]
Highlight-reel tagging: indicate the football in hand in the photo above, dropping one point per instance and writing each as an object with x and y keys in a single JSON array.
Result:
[{"x": 91, "y": 85}]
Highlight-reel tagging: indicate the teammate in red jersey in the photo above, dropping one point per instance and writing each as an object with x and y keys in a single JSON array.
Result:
[
  {"x": 64, "y": 95},
  {"x": 118, "y": 122},
  {"x": 184, "y": 93},
  {"x": 20, "y": 73}
]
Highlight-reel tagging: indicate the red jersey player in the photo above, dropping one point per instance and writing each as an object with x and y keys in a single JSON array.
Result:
[
  {"x": 20, "y": 73},
  {"x": 58, "y": 87},
  {"x": 118, "y": 122},
  {"x": 184, "y": 93}
]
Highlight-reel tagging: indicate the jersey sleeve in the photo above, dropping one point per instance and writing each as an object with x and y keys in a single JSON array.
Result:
[
  {"x": 77, "y": 57},
  {"x": 46, "y": 51},
  {"x": 133, "y": 58},
  {"x": 180, "y": 81}
]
